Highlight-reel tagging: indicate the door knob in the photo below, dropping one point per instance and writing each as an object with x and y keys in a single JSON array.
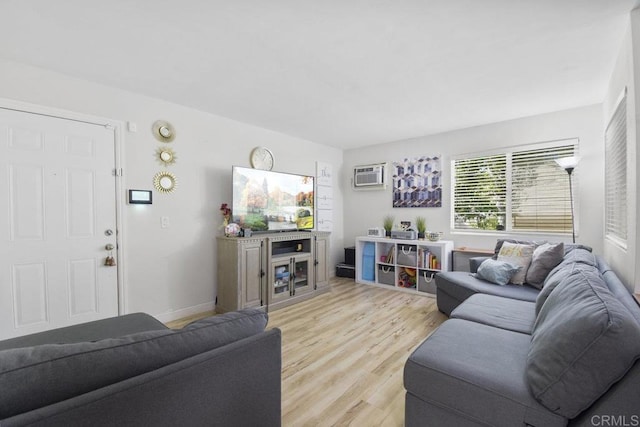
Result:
[{"x": 109, "y": 247}]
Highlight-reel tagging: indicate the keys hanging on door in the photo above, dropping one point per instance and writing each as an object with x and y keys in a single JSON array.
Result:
[{"x": 110, "y": 261}]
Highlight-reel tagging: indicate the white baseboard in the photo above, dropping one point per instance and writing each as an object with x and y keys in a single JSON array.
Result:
[{"x": 185, "y": 312}]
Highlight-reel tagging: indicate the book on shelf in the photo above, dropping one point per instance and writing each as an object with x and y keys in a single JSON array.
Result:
[{"x": 427, "y": 259}]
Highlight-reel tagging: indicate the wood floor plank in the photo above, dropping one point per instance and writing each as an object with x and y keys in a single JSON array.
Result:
[{"x": 343, "y": 353}]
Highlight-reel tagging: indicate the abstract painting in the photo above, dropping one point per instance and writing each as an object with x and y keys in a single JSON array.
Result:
[{"x": 417, "y": 182}]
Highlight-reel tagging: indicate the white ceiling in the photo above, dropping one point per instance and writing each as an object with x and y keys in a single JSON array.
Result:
[{"x": 346, "y": 73}]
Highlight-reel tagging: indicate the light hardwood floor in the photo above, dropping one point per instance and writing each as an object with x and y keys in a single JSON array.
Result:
[{"x": 343, "y": 354}]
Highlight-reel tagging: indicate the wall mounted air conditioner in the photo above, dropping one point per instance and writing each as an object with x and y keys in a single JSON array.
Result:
[{"x": 369, "y": 176}]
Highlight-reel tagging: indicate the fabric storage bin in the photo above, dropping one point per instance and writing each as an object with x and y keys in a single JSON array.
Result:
[
  {"x": 386, "y": 275},
  {"x": 407, "y": 255},
  {"x": 427, "y": 281},
  {"x": 345, "y": 270}
]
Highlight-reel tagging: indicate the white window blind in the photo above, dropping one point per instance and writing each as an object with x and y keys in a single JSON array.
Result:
[
  {"x": 480, "y": 192},
  {"x": 616, "y": 174},
  {"x": 520, "y": 190},
  {"x": 540, "y": 199}
]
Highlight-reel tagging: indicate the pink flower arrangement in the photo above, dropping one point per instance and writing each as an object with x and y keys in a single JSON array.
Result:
[{"x": 226, "y": 212}]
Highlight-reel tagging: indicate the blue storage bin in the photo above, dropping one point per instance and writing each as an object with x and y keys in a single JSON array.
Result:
[{"x": 369, "y": 261}]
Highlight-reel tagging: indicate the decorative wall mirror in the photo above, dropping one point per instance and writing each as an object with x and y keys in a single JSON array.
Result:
[
  {"x": 166, "y": 156},
  {"x": 163, "y": 131},
  {"x": 165, "y": 182}
]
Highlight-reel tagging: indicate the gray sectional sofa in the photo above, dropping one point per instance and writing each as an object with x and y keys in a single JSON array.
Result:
[
  {"x": 568, "y": 354},
  {"x": 133, "y": 371}
]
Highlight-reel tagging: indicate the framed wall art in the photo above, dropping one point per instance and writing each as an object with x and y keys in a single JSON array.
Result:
[{"x": 417, "y": 182}]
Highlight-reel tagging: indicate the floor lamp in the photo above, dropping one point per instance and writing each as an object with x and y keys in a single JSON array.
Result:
[{"x": 569, "y": 164}]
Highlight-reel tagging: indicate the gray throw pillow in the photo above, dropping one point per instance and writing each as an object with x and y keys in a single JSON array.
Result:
[
  {"x": 498, "y": 272},
  {"x": 584, "y": 340},
  {"x": 544, "y": 259}
]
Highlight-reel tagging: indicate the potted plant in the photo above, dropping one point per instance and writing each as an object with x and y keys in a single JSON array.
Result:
[
  {"x": 421, "y": 225},
  {"x": 387, "y": 223}
]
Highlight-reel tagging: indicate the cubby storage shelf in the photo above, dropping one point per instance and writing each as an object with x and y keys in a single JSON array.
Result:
[{"x": 407, "y": 265}]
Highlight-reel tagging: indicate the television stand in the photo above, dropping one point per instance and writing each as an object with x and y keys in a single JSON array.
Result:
[{"x": 271, "y": 270}]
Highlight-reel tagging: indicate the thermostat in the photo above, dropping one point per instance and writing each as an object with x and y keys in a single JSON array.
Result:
[{"x": 140, "y": 197}]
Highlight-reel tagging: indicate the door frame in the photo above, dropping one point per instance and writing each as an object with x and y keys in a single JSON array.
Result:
[{"x": 117, "y": 126}]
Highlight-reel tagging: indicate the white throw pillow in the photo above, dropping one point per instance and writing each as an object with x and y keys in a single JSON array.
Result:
[{"x": 518, "y": 255}]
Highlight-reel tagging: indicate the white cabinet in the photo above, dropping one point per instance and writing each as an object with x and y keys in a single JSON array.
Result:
[
  {"x": 401, "y": 264},
  {"x": 321, "y": 261},
  {"x": 290, "y": 277},
  {"x": 241, "y": 275},
  {"x": 271, "y": 270}
]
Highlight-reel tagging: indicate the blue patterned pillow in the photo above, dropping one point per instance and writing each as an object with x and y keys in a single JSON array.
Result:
[{"x": 498, "y": 272}]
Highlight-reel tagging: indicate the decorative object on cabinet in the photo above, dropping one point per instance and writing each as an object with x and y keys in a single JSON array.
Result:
[
  {"x": 225, "y": 210},
  {"x": 166, "y": 156},
  {"x": 417, "y": 182},
  {"x": 163, "y": 131},
  {"x": 232, "y": 230},
  {"x": 404, "y": 234},
  {"x": 434, "y": 236},
  {"x": 165, "y": 182},
  {"x": 387, "y": 224},
  {"x": 376, "y": 232},
  {"x": 401, "y": 264},
  {"x": 261, "y": 158},
  {"x": 421, "y": 225}
]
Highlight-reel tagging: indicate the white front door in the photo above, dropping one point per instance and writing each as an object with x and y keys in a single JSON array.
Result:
[{"x": 57, "y": 190}]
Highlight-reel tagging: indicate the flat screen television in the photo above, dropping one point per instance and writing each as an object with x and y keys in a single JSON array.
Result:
[{"x": 272, "y": 201}]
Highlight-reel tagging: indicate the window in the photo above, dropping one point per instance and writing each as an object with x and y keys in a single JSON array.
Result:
[
  {"x": 480, "y": 193},
  {"x": 520, "y": 190},
  {"x": 615, "y": 180}
]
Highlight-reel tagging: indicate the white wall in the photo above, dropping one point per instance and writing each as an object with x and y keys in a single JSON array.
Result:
[
  {"x": 170, "y": 272},
  {"x": 365, "y": 209},
  {"x": 625, "y": 260}
]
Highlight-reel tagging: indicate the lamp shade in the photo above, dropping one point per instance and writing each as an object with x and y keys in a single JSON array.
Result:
[{"x": 568, "y": 162}]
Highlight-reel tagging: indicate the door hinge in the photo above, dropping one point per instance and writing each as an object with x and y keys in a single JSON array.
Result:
[{"x": 118, "y": 172}]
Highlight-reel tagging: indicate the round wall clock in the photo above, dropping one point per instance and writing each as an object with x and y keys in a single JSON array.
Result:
[{"x": 261, "y": 158}]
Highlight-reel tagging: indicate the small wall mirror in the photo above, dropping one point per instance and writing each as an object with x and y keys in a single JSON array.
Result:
[
  {"x": 165, "y": 182},
  {"x": 163, "y": 131},
  {"x": 166, "y": 156}
]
